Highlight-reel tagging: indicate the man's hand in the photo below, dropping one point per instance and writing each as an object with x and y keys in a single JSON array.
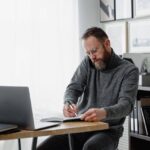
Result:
[
  {"x": 94, "y": 114},
  {"x": 70, "y": 111}
]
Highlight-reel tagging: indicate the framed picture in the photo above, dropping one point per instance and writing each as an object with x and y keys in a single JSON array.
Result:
[
  {"x": 117, "y": 34},
  {"x": 141, "y": 8},
  {"x": 107, "y": 11},
  {"x": 139, "y": 36},
  {"x": 123, "y": 9}
]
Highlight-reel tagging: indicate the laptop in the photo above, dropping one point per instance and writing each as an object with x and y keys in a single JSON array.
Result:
[
  {"x": 8, "y": 128},
  {"x": 16, "y": 109}
]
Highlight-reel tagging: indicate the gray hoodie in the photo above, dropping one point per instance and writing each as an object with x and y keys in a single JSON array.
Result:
[{"x": 114, "y": 88}]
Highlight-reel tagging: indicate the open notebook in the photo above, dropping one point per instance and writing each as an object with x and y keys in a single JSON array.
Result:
[{"x": 62, "y": 119}]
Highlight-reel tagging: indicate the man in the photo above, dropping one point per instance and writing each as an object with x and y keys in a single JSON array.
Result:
[{"x": 104, "y": 87}]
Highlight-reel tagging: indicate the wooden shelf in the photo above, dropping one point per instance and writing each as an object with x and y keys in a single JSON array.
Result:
[
  {"x": 144, "y": 88},
  {"x": 143, "y": 91},
  {"x": 138, "y": 141},
  {"x": 139, "y": 136}
]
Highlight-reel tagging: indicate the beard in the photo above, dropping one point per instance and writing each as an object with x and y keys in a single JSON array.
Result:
[{"x": 101, "y": 64}]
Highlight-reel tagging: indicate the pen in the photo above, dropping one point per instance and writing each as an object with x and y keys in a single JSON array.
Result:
[{"x": 70, "y": 105}]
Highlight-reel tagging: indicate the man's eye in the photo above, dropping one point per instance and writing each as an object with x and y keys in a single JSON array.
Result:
[{"x": 94, "y": 50}]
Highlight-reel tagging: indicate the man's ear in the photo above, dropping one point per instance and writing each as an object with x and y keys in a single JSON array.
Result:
[{"x": 107, "y": 43}]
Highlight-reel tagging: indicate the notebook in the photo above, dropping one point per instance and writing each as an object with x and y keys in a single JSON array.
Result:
[
  {"x": 145, "y": 110},
  {"x": 61, "y": 119},
  {"x": 15, "y": 108}
]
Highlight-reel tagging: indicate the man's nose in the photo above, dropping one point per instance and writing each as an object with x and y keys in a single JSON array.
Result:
[{"x": 92, "y": 56}]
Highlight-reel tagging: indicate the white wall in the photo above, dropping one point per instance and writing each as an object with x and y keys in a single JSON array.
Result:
[{"x": 89, "y": 15}]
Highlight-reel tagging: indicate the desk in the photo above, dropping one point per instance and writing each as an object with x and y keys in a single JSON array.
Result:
[{"x": 64, "y": 128}]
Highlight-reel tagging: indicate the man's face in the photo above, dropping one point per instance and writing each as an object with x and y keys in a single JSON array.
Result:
[{"x": 98, "y": 52}]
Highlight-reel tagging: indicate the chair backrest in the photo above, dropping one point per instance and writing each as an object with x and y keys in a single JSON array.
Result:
[{"x": 139, "y": 59}]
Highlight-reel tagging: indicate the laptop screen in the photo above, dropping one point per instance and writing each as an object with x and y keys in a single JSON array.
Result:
[{"x": 15, "y": 106}]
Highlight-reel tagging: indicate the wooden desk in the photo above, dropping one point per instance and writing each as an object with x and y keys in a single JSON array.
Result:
[{"x": 64, "y": 128}]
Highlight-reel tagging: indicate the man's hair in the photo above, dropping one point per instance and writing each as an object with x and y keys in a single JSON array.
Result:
[{"x": 96, "y": 32}]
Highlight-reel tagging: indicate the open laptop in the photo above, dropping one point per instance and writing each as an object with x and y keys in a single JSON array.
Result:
[
  {"x": 8, "y": 128},
  {"x": 16, "y": 109}
]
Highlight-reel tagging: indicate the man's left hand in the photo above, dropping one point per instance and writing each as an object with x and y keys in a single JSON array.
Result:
[{"x": 94, "y": 114}]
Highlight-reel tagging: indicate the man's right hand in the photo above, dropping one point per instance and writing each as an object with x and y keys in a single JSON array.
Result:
[{"x": 69, "y": 111}]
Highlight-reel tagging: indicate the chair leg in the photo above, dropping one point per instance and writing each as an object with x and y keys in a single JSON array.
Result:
[{"x": 34, "y": 143}]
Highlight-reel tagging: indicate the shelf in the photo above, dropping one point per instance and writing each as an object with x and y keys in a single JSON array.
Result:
[
  {"x": 139, "y": 136},
  {"x": 143, "y": 92},
  {"x": 138, "y": 141},
  {"x": 144, "y": 88}
]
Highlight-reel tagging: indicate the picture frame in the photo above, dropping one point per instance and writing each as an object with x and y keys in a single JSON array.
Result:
[
  {"x": 141, "y": 8},
  {"x": 107, "y": 10},
  {"x": 138, "y": 35},
  {"x": 117, "y": 33},
  {"x": 123, "y": 9}
]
